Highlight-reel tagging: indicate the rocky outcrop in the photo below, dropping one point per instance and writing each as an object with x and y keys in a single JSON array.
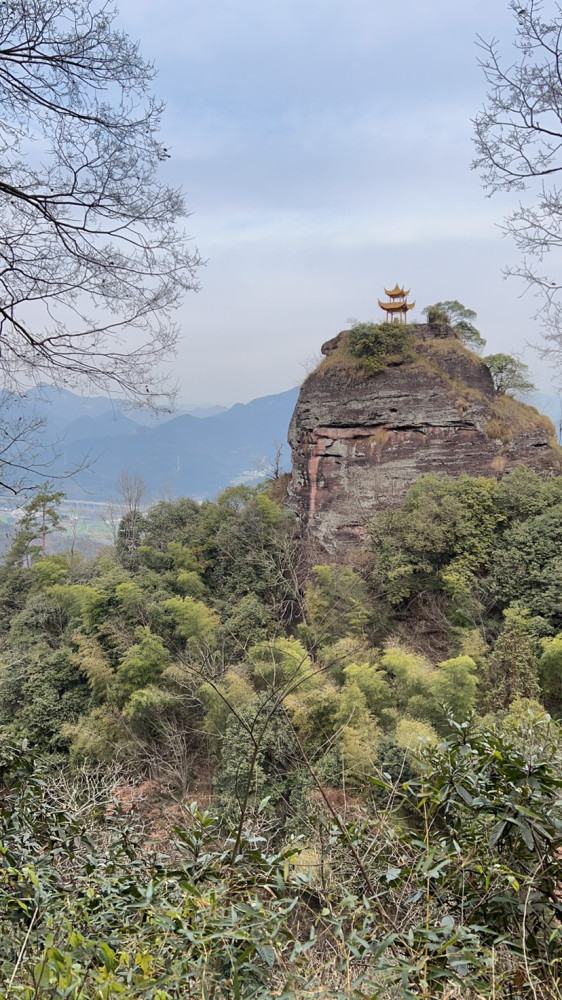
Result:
[{"x": 359, "y": 440}]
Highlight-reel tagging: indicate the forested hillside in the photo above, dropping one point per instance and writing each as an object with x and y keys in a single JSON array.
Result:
[{"x": 374, "y": 743}]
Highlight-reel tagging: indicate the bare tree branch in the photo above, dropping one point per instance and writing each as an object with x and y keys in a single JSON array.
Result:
[
  {"x": 92, "y": 263},
  {"x": 518, "y": 138}
]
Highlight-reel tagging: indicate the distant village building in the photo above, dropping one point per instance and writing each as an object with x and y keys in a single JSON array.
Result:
[{"x": 397, "y": 309}]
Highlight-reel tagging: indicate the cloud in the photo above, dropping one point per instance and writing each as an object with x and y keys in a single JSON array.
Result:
[{"x": 325, "y": 149}]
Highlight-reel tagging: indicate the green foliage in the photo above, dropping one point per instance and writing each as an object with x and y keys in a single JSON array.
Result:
[
  {"x": 95, "y": 738},
  {"x": 43, "y": 694},
  {"x": 336, "y": 604},
  {"x": 94, "y": 645},
  {"x": 142, "y": 665},
  {"x": 280, "y": 665},
  {"x": 257, "y": 758},
  {"x": 430, "y": 694},
  {"x": 49, "y": 571},
  {"x": 437, "y": 314},
  {"x": 195, "y": 623},
  {"x": 146, "y": 707},
  {"x": 454, "y": 685},
  {"x": 527, "y": 567},
  {"x": 105, "y": 917},
  {"x": 422, "y": 895},
  {"x": 477, "y": 542},
  {"x": 358, "y": 749},
  {"x": 302, "y": 694},
  {"x": 441, "y": 536},
  {"x": 233, "y": 693},
  {"x": 523, "y": 494},
  {"x": 248, "y": 622},
  {"x": 492, "y": 795},
  {"x": 218, "y": 656},
  {"x": 315, "y": 712},
  {"x": 170, "y": 521},
  {"x": 453, "y": 313},
  {"x": 510, "y": 376},
  {"x": 40, "y": 518},
  {"x": 550, "y": 669},
  {"x": 378, "y": 345},
  {"x": 90, "y": 658},
  {"x": 412, "y": 734},
  {"x": 513, "y": 665},
  {"x": 118, "y": 631},
  {"x": 371, "y": 682},
  {"x": 130, "y": 597},
  {"x": 353, "y": 709}
]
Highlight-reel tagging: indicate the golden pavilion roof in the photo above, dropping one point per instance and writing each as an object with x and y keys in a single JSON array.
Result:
[
  {"x": 396, "y": 306},
  {"x": 395, "y": 292}
]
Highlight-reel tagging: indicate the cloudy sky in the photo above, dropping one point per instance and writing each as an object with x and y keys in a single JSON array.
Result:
[{"x": 324, "y": 148}]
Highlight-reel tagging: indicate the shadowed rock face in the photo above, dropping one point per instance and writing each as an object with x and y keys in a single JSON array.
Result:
[{"x": 360, "y": 440}]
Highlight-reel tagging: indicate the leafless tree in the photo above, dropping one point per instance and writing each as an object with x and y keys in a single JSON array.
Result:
[
  {"x": 518, "y": 137},
  {"x": 23, "y": 459},
  {"x": 276, "y": 469},
  {"x": 131, "y": 490},
  {"x": 110, "y": 515},
  {"x": 92, "y": 263}
]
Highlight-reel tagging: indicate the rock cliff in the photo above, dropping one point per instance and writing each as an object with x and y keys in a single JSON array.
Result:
[{"x": 359, "y": 440}]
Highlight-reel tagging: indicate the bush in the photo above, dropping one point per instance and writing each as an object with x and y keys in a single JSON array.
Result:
[
  {"x": 100, "y": 915},
  {"x": 437, "y": 314},
  {"x": 379, "y": 345}
]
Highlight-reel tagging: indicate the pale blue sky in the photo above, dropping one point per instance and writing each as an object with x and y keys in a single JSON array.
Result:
[{"x": 324, "y": 147}]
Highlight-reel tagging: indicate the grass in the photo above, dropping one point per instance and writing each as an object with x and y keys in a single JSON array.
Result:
[
  {"x": 509, "y": 416},
  {"x": 448, "y": 345},
  {"x": 427, "y": 353},
  {"x": 464, "y": 395},
  {"x": 277, "y": 488},
  {"x": 340, "y": 359}
]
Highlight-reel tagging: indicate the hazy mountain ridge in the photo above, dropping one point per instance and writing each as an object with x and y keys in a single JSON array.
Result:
[{"x": 196, "y": 454}]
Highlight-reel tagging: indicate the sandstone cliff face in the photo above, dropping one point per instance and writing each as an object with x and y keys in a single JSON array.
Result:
[{"x": 359, "y": 440}]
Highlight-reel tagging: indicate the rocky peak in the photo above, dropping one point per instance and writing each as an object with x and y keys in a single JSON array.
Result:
[{"x": 360, "y": 439}]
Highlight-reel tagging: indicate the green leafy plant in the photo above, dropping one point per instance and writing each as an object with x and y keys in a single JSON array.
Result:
[
  {"x": 510, "y": 376},
  {"x": 379, "y": 345},
  {"x": 454, "y": 314},
  {"x": 90, "y": 915}
]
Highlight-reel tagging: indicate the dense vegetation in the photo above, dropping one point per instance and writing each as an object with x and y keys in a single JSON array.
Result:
[
  {"x": 378, "y": 345},
  {"x": 375, "y": 346},
  {"x": 376, "y": 748}
]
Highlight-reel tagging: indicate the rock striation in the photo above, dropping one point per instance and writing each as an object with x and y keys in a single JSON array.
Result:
[{"x": 359, "y": 440}]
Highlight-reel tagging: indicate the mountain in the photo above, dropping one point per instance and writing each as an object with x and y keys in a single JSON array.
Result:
[
  {"x": 187, "y": 455},
  {"x": 192, "y": 455},
  {"x": 364, "y": 429},
  {"x": 108, "y": 424},
  {"x": 200, "y": 411}
]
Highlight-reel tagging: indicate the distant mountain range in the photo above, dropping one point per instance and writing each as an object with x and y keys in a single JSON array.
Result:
[{"x": 197, "y": 452}]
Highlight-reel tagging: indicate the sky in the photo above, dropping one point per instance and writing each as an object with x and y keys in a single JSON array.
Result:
[{"x": 324, "y": 148}]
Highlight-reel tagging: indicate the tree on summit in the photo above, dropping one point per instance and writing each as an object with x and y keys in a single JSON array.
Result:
[
  {"x": 510, "y": 376},
  {"x": 92, "y": 263},
  {"x": 453, "y": 313}
]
